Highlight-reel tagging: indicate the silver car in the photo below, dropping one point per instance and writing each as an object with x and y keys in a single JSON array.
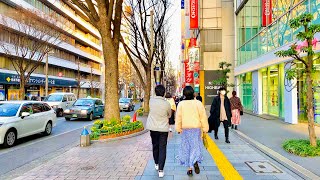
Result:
[{"x": 126, "y": 104}]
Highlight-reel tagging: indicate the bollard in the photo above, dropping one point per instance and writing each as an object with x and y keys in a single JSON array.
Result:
[{"x": 84, "y": 138}]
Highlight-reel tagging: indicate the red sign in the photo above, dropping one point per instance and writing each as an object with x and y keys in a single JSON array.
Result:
[
  {"x": 266, "y": 12},
  {"x": 194, "y": 14},
  {"x": 60, "y": 74},
  {"x": 196, "y": 66},
  {"x": 188, "y": 74}
]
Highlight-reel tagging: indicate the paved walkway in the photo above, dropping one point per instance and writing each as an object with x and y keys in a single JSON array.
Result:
[
  {"x": 272, "y": 133},
  {"x": 132, "y": 159},
  {"x": 238, "y": 152}
]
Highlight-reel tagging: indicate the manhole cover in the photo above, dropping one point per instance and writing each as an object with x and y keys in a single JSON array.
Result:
[
  {"x": 263, "y": 167},
  {"x": 87, "y": 168}
]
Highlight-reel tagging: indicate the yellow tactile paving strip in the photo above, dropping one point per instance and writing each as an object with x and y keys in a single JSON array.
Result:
[{"x": 225, "y": 167}]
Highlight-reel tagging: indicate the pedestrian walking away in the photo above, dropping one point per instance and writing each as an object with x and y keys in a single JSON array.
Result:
[
  {"x": 158, "y": 124},
  {"x": 173, "y": 110},
  {"x": 198, "y": 97},
  {"x": 220, "y": 112},
  {"x": 191, "y": 122},
  {"x": 236, "y": 108}
]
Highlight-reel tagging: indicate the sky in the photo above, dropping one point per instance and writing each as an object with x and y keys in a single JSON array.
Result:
[{"x": 175, "y": 32}]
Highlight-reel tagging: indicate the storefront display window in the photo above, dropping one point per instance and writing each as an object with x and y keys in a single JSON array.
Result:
[
  {"x": 246, "y": 91},
  {"x": 272, "y": 91},
  {"x": 302, "y": 97}
]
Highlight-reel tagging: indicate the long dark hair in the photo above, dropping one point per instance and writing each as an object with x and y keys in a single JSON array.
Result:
[{"x": 188, "y": 92}]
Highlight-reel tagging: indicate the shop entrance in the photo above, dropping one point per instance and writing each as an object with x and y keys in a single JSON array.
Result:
[{"x": 271, "y": 90}]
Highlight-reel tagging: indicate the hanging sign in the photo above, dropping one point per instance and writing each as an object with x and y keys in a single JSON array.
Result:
[
  {"x": 188, "y": 74},
  {"x": 266, "y": 12},
  {"x": 194, "y": 24}
]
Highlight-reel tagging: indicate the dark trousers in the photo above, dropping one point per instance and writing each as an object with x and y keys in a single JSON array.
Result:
[
  {"x": 159, "y": 147},
  {"x": 226, "y": 129}
]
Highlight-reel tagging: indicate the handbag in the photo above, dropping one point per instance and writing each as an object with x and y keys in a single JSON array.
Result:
[
  {"x": 205, "y": 140},
  {"x": 241, "y": 113}
]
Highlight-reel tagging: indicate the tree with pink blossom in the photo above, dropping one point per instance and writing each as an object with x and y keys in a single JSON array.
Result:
[{"x": 303, "y": 52}]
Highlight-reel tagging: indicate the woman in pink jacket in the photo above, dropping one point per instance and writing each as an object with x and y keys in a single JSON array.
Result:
[{"x": 191, "y": 122}]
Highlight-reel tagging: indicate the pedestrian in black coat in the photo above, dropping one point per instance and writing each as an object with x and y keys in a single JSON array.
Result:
[{"x": 219, "y": 113}]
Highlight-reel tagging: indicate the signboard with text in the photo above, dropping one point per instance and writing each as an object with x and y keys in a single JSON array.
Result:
[
  {"x": 266, "y": 12},
  {"x": 7, "y": 78},
  {"x": 210, "y": 91},
  {"x": 194, "y": 11},
  {"x": 188, "y": 74}
]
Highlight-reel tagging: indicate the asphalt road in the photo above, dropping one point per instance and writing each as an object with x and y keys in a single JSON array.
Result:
[{"x": 37, "y": 146}]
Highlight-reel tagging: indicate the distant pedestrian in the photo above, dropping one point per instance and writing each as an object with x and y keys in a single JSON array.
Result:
[
  {"x": 236, "y": 108},
  {"x": 191, "y": 122},
  {"x": 173, "y": 110},
  {"x": 220, "y": 112},
  {"x": 198, "y": 97},
  {"x": 158, "y": 124}
]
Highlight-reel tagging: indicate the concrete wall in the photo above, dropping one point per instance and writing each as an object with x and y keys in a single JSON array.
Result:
[{"x": 218, "y": 18}]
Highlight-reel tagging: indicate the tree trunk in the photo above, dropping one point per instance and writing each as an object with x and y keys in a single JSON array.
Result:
[
  {"x": 111, "y": 77},
  {"x": 310, "y": 111},
  {"x": 78, "y": 91},
  {"x": 22, "y": 85},
  {"x": 147, "y": 91}
]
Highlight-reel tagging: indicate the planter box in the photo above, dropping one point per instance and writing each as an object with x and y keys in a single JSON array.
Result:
[{"x": 120, "y": 134}]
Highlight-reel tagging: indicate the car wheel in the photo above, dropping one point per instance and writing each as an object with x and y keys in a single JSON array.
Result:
[
  {"x": 48, "y": 129},
  {"x": 10, "y": 138},
  {"x": 67, "y": 118},
  {"x": 90, "y": 117},
  {"x": 102, "y": 115},
  {"x": 60, "y": 113}
]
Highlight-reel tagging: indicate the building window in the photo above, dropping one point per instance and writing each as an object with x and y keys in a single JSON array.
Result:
[
  {"x": 246, "y": 90},
  {"x": 212, "y": 40}
]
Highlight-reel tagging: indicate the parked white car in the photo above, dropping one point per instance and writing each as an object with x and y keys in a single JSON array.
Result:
[
  {"x": 24, "y": 118},
  {"x": 60, "y": 102}
]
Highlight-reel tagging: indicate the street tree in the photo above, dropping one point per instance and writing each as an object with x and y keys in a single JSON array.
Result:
[
  {"x": 106, "y": 17},
  {"x": 306, "y": 36},
  {"x": 30, "y": 36},
  {"x": 79, "y": 79},
  {"x": 144, "y": 38},
  {"x": 170, "y": 78},
  {"x": 224, "y": 70}
]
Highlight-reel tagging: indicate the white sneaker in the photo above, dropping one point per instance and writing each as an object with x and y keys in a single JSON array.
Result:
[
  {"x": 156, "y": 167},
  {"x": 161, "y": 174}
]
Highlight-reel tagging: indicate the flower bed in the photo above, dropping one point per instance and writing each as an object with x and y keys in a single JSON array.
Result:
[
  {"x": 140, "y": 111},
  {"x": 113, "y": 128}
]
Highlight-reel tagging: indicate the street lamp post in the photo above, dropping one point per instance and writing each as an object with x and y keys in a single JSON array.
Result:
[{"x": 46, "y": 86}]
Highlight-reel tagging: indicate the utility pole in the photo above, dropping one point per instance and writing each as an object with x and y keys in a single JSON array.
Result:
[
  {"x": 46, "y": 86},
  {"x": 151, "y": 52}
]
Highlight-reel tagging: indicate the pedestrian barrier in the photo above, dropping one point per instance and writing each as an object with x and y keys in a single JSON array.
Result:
[{"x": 225, "y": 167}]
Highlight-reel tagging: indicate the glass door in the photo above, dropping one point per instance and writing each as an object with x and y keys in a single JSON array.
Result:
[
  {"x": 274, "y": 90},
  {"x": 265, "y": 91}
]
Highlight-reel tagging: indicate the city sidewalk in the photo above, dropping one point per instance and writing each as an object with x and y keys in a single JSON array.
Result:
[
  {"x": 272, "y": 133},
  {"x": 238, "y": 153}
]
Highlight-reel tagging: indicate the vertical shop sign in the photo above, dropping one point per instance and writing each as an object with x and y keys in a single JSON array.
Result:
[
  {"x": 266, "y": 12},
  {"x": 194, "y": 24},
  {"x": 188, "y": 74},
  {"x": 182, "y": 4}
]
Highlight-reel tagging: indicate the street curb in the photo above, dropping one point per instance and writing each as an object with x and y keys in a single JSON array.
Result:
[
  {"x": 122, "y": 137},
  {"x": 292, "y": 166}
]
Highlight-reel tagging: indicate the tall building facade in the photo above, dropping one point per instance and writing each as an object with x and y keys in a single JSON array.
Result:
[
  {"x": 262, "y": 28},
  {"x": 215, "y": 42},
  {"x": 78, "y": 53}
]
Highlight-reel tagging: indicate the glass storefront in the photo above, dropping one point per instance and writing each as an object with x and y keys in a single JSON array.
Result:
[
  {"x": 246, "y": 90},
  {"x": 302, "y": 97},
  {"x": 272, "y": 91},
  {"x": 255, "y": 40}
]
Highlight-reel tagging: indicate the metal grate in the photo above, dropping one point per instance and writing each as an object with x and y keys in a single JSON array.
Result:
[
  {"x": 87, "y": 168},
  {"x": 263, "y": 167}
]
